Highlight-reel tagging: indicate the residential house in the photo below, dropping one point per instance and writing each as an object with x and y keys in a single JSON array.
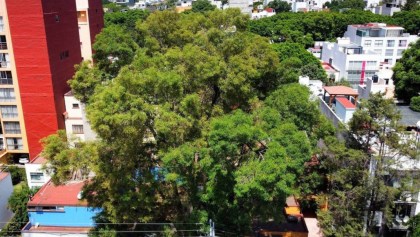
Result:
[
  {"x": 58, "y": 211},
  {"x": 36, "y": 176}
]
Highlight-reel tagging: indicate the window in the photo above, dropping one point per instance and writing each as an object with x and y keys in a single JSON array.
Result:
[
  {"x": 390, "y": 43},
  {"x": 400, "y": 52},
  {"x": 14, "y": 143},
  {"x": 75, "y": 106},
  {"x": 389, "y": 52},
  {"x": 11, "y": 127},
  {"x": 6, "y": 78},
  {"x": 64, "y": 55},
  {"x": 37, "y": 177},
  {"x": 388, "y": 60},
  {"x": 4, "y": 60},
  {"x": 354, "y": 65},
  {"x": 77, "y": 129},
  {"x": 403, "y": 43},
  {"x": 1, "y": 24},
  {"x": 7, "y": 95},
  {"x": 57, "y": 18},
  {"x": 379, "y": 43},
  {"x": 3, "y": 43},
  {"x": 81, "y": 16},
  {"x": 378, "y": 51},
  {"x": 8, "y": 111},
  {"x": 371, "y": 65},
  {"x": 368, "y": 42},
  {"x": 393, "y": 33}
]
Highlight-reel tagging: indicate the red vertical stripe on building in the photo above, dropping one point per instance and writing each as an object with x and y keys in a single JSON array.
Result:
[{"x": 362, "y": 75}]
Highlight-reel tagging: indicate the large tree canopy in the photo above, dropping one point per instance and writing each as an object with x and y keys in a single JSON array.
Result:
[
  {"x": 407, "y": 73},
  {"x": 196, "y": 123}
]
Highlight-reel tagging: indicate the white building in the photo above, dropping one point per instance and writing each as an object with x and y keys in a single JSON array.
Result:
[
  {"x": 389, "y": 8},
  {"x": 75, "y": 119},
  {"x": 6, "y": 190},
  {"x": 35, "y": 175},
  {"x": 381, "y": 83},
  {"x": 262, "y": 14},
  {"x": 244, "y": 5},
  {"x": 386, "y": 40},
  {"x": 350, "y": 60}
]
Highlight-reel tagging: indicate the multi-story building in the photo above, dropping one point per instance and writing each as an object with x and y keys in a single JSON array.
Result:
[
  {"x": 386, "y": 40},
  {"x": 350, "y": 60},
  {"x": 58, "y": 211},
  {"x": 75, "y": 118},
  {"x": 40, "y": 44}
]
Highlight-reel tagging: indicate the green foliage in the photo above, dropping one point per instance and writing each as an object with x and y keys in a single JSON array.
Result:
[
  {"x": 414, "y": 224},
  {"x": 409, "y": 19},
  {"x": 406, "y": 76},
  {"x": 415, "y": 103},
  {"x": 18, "y": 174},
  {"x": 127, "y": 19},
  {"x": 411, "y": 5},
  {"x": 336, "y": 5},
  {"x": 202, "y": 6},
  {"x": 280, "y": 6},
  {"x": 66, "y": 162},
  {"x": 305, "y": 28},
  {"x": 17, "y": 204}
]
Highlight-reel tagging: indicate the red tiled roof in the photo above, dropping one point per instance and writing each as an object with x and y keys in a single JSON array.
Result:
[
  {"x": 269, "y": 9},
  {"x": 38, "y": 160},
  {"x": 291, "y": 201},
  {"x": 345, "y": 102},
  {"x": 340, "y": 90},
  {"x": 61, "y": 195},
  {"x": 3, "y": 175}
]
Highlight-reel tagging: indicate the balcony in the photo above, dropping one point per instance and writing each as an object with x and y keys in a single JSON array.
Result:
[{"x": 4, "y": 64}]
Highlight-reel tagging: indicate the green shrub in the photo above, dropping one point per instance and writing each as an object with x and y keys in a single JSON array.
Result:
[{"x": 415, "y": 103}]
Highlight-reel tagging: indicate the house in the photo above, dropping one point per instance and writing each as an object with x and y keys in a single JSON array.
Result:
[
  {"x": 258, "y": 14},
  {"x": 6, "y": 190},
  {"x": 344, "y": 109},
  {"x": 35, "y": 175},
  {"x": 338, "y": 103},
  {"x": 75, "y": 119},
  {"x": 59, "y": 210},
  {"x": 350, "y": 61},
  {"x": 381, "y": 83}
]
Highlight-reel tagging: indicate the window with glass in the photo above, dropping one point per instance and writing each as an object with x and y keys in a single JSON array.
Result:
[
  {"x": 371, "y": 64},
  {"x": 389, "y": 52},
  {"x": 368, "y": 42},
  {"x": 6, "y": 78},
  {"x": 37, "y": 177},
  {"x": 4, "y": 60},
  {"x": 3, "y": 43},
  {"x": 400, "y": 52},
  {"x": 77, "y": 129},
  {"x": 11, "y": 127},
  {"x": 353, "y": 65},
  {"x": 8, "y": 111},
  {"x": 403, "y": 43},
  {"x": 1, "y": 24},
  {"x": 14, "y": 143},
  {"x": 379, "y": 43},
  {"x": 7, "y": 95},
  {"x": 378, "y": 51},
  {"x": 390, "y": 43}
]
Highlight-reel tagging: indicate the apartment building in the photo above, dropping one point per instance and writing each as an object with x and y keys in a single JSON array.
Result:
[
  {"x": 386, "y": 40},
  {"x": 39, "y": 46},
  {"x": 350, "y": 60}
]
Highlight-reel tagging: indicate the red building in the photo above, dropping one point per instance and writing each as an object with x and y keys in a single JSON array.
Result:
[{"x": 42, "y": 46}]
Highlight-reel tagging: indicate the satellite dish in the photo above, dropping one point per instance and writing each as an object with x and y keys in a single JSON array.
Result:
[{"x": 80, "y": 195}]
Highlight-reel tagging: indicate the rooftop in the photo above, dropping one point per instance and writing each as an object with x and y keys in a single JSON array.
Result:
[
  {"x": 55, "y": 229},
  {"x": 345, "y": 102},
  {"x": 38, "y": 160},
  {"x": 291, "y": 201},
  {"x": 340, "y": 90},
  {"x": 61, "y": 195},
  {"x": 70, "y": 93},
  {"x": 376, "y": 25},
  {"x": 409, "y": 117}
]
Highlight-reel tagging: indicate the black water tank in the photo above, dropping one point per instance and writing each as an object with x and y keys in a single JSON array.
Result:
[{"x": 375, "y": 78}]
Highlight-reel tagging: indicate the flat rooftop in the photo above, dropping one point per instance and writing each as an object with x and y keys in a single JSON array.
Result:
[
  {"x": 376, "y": 25},
  {"x": 38, "y": 160},
  {"x": 409, "y": 117},
  {"x": 61, "y": 195},
  {"x": 340, "y": 90},
  {"x": 55, "y": 229}
]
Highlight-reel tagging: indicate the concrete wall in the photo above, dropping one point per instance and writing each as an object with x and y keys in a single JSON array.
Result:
[
  {"x": 326, "y": 110},
  {"x": 345, "y": 114},
  {"x": 6, "y": 190},
  {"x": 36, "y": 168}
]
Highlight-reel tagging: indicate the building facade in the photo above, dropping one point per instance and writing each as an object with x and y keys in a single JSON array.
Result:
[
  {"x": 59, "y": 210},
  {"x": 386, "y": 40},
  {"x": 36, "y": 176},
  {"x": 40, "y": 44}
]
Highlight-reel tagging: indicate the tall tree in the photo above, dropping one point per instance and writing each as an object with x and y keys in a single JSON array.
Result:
[
  {"x": 202, "y": 6},
  {"x": 406, "y": 76},
  {"x": 280, "y": 6}
]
